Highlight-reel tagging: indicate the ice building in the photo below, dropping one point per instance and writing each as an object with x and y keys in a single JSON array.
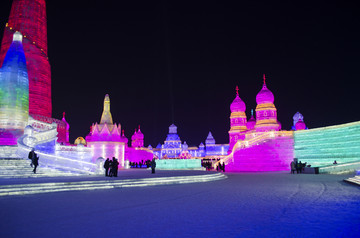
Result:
[
  {"x": 213, "y": 149},
  {"x": 174, "y": 148},
  {"x": 14, "y": 93},
  {"x": 106, "y": 140},
  {"x": 238, "y": 121},
  {"x": 259, "y": 144}
]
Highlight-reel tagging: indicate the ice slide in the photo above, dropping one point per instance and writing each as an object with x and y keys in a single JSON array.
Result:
[{"x": 42, "y": 136}]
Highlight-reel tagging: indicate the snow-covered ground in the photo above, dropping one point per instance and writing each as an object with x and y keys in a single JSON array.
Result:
[{"x": 243, "y": 205}]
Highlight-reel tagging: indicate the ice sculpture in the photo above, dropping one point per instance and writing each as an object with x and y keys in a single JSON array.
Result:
[
  {"x": 14, "y": 93},
  {"x": 29, "y": 18}
]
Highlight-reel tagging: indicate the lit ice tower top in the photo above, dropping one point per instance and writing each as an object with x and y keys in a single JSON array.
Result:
[
  {"x": 238, "y": 120},
  {"x": 106, "y": 130},
  {"x": 106, "y": 115},
  {"x": 14, "y": 93},
  {"x": 266, "y": 114}
]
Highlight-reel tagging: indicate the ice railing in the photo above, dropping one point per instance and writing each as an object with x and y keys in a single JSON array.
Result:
[
  {"x": 253, "y": 139},
  {"x": 45, "y": 133}
]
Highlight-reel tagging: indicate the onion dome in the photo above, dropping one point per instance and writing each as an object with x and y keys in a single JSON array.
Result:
[
  {"x": 134, "y": 136},
  {"x": 237, "y": 105},
  {"x": 297, "y": 116},
  {"x": 300, "y": 125},
  {"x": 123, "y": 137},
  {"x": 139, "y": 134},
  {"x": 265, "y": 95},
  {"x": 251, "y": 122}
]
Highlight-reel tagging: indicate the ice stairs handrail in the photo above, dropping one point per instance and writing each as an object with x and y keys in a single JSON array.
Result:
[
  {"x": 27, "y": 142},
  {"x": 256, "y": 140}
]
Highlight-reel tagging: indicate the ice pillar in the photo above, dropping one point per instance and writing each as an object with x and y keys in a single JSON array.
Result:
[{"x": 14, "y": 93}]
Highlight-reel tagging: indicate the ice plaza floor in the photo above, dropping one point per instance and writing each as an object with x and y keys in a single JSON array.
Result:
[{"x": 240, "y": 205}]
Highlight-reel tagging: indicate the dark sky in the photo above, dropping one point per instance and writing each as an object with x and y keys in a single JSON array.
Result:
[{"x": 179, "y": 61}]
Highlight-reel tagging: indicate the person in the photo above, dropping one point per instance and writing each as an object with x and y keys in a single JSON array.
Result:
[
  {"x": 223, "y": 167},
  {"x": 299, "y": 167},
  {"x": 35, "y": 162},
  {"x": 335, "y": 162},
  {"x": 30, "y": 156},
  {"x": 106, "y": 167},
  {"x": 115, "y": 165},
  {"x": 34, "y": 159},
  {"x": 153, "y": 165},
  {"x": 110, "y": 168},
  {"x": 292, "y": 165}
]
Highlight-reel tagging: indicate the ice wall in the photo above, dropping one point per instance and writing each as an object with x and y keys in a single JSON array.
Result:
[
  {"x": 322, "y": 146},
  {"x": 270, "y": 155}
]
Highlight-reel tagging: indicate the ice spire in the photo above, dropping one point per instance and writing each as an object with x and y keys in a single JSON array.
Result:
[
  {"x": 14, "y": 93},
  {"x": 106, "y": 115}
]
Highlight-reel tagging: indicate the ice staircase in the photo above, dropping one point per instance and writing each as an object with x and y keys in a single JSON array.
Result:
[
  {"x": 36, "y": 188},
  {"x": 20, "y": 168},
  {"x": 43, "y": 136},
  {"x": 268, "y": 151}
]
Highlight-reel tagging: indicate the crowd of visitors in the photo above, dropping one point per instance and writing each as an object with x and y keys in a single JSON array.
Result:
[
  {"x": 111, "y": 167},
  {"x": 140, "y": 164},
  {"x": 297, "y": 166}
]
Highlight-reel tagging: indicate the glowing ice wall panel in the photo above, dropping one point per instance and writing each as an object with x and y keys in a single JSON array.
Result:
[
  {"x": 29, "y": 17},
  {"x": 106, "y": 149},
  {"x": 273, "y": 155},
  {"x": 138, "y": 154},
  {"x": 14, "y": 94},
  {"x": 178, "y": 164},
  {"x": 322, "y": 146}
]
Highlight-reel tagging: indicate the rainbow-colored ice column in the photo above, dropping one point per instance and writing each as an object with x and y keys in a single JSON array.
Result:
[{"x": 14, "y": 93}]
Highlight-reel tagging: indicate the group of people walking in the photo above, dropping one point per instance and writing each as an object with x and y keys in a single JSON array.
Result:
[{"x": 111, "y": 167}]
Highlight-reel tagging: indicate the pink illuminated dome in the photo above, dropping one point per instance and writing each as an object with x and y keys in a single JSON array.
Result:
[
  {"x": 237, "y": 105},
  {"x": 139, "y": 134},
  {"x": 265, "y": 95},
  {"x": 300, "y": 125}
]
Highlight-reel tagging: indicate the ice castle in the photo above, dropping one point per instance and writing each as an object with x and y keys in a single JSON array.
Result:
[{"x": 106, "y": 140}]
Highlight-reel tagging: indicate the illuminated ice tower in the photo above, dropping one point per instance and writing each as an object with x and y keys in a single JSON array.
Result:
[
  {"x": 14, "y": 93},
  {"x": 29, "y": 18},
  {"x": 266, "y": 115},
  {"x": 105, "y": 138},
  {"x": 237, "y": 120}
]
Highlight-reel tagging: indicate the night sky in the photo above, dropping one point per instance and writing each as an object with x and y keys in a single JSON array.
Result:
[{"x": 165, "y": 62}]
